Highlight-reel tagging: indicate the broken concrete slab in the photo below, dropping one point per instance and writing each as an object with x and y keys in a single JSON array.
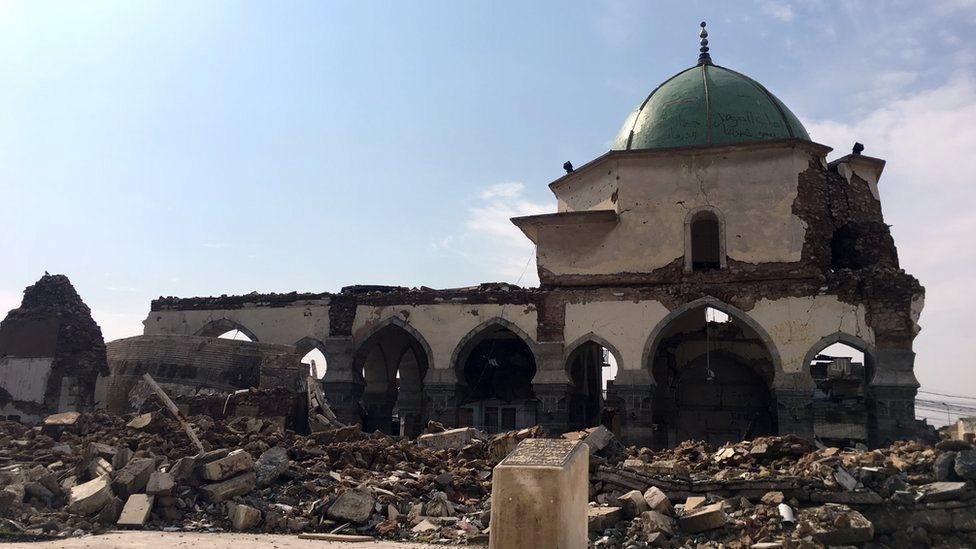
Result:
[
  {"x": 270, "y": 465},
  {"x": 133, "y": 477},
  {"x": 229, "y": 465},
  {"x": 838, "y": 525},
  {"x": 452, "y": 438},
  {"x": 632, "y": 504},
  {"x": 136, "y": 511},
  {"x": 160, "y": 484},
  {"x": 230, "y": 488},
  {"x": 353, "y": 506},
  {"x": 653, "y": 521},
  {"x": 89, "y": 498},
  {"x": 941, "y": 491},
  {"x": 599, "y": 519},
  {"x": 705, "y": 518}
]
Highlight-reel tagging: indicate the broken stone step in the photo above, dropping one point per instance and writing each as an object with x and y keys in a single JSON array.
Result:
[
  {"x": 230, "y": 488},
  {"x": 136, "y": 511},
  {"x": 235, "y": 462}
]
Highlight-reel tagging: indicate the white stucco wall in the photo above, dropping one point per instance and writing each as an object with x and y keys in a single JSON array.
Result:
[
  {"x": 25, "y": 378},
  {"x": 624, "y": 324},
  {"x": 754, "y": 189},
  {"x": 281, "y": 325},
  {"x": 795, "y": 324}
]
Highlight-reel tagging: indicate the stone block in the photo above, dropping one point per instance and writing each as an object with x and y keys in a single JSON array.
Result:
[
  {"x": 271, "y": 465},
  {"x": 705, "y": 518},
  {"x": 653, "y": 522},
  {"x": 182, "y": 469},
  {"x": 230, "y": 488},
  {"x": 160, "y": 484},
  {"x": 941, "y": 491},
  {"x": 965, "y": 464},
  {"x": 693, "y": 502},
  {"x": 136, "y": 510},
  {"x": 89, "y": 498},
  {"x": 944, "y": 467},
  {"x": 539, "y": 496},
  {"x": 244, "y": 517},
  {"x": 140, "y": 422},
  {"x": 111, "y": 512},
  {"x": 599, "y": 519},
  {"x": 452, "y": 438},
  {"x": 235, "y": 462},
  {"x": 98, "y": 467},
  {"x": 133, "y": 478},
  {"x": 353, "y": 506},
  {"x": 658, "y": 501},
  {"x": 844, "y": 527},
  {"x": 632, "y": 504},
  {"x": 121, "y": 458}
]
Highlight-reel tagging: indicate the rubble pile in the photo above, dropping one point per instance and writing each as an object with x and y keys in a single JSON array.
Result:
[
  {"x": 80, "y": 473},
  {"x": 786, "y": 492}
]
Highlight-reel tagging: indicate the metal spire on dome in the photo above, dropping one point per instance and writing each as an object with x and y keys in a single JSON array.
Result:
[{"x": 703, "y": 57}]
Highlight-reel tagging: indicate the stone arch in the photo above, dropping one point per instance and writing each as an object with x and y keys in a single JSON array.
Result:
[
  {"x": 870, "y": 353},
  {"x": 592, "y": 337},
  {"x": 308, "y": 343},
  {"x": 480, "y": 328},
  {"x": 495, "y": 365},
  {"x": 399, "y": 322},
  {"x": 390, "y": 360},
  {"x": 650, "y": 347},
  {"x": 215, "y": 328},
  {"x": 694, "y": 215}
]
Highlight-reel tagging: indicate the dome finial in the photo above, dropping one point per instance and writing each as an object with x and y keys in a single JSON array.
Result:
[{"x": 703, "y": 57}]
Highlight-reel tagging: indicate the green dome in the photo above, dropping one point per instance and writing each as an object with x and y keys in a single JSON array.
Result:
[{"x": 707, "y": 105}]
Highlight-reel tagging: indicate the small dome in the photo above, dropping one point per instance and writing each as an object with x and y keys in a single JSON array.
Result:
[{"x": 707, "y": 105}]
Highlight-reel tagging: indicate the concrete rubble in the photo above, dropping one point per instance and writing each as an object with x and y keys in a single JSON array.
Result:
[{"x": 768, "y": 492}]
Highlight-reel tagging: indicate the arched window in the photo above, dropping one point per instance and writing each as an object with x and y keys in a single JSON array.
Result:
[{"x": 704, "y": 249}]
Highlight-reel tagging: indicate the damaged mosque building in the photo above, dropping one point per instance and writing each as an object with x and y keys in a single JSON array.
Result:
[{"x": 712, "y": 255}]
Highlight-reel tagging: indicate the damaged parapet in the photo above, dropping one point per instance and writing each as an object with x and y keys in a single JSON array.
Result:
[
  {"x": 51, "y": 353},
  {"x": 190, "y": 365}
]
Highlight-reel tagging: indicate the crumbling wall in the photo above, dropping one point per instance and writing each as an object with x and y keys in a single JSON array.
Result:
[
  {"x": 190, "y": 365},
  {"x": 51, "y": 352}
]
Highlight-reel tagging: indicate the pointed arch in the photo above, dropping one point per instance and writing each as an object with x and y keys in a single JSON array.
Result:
[
  {"x": 480, "y": 329},
  {"x": 216, "y": 328},
  {"x": 592, "y": 337},
  {"x": 362, "y": 339},
  {"x": 870, "y": 353},
  {"x": 654, "y": 339}
]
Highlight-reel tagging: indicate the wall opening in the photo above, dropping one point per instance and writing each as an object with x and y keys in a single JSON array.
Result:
[
  {"x": 495, "y": 370},
  {"x": 714, "y": 375},
  {"x": 706, "y": 248},
  {"x": 840, "y": 373},
  {"x": 393, "y": 363},
  {"x": 235, "y": 334},
  {"x": 592, "y": 368}
]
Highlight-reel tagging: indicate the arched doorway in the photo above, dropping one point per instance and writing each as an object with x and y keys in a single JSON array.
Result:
[
  {"x": 495, "y": 366},
  {"x": 592, "y": 365},
  {"x": 393, "y": 361},
  {"x": 714, "y": 373},
  {"x": 841, "y": 366},
  {"x": 313, "y": 356}
]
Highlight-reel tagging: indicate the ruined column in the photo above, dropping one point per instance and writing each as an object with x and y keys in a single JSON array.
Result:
[
  {"x": 891, "y": 397},
  {"x": 342, "y": 386},
  {"x": 635, "y": 391},
  {"x": 552, "y": 387},
  {"x": 794, "y": 405},
  {"x": 440, "y": 386}
]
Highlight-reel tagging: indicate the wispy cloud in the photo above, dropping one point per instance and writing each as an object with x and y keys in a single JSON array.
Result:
[
  {"x": 777, "y": 9},
  {"x": 490, "y": 240}
]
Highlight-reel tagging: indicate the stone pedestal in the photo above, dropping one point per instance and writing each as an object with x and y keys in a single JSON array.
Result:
[
  {"x": 539, "y": 496},
  {"x": 342, "y": 387},
  {"x": 891, "y": 397}
]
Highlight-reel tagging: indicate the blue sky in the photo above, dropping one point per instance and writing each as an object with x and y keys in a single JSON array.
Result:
[{"x": 199, "y": 148}]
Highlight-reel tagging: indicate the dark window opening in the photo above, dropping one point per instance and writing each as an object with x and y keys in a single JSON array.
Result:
[{"x": 705, "y": 243}]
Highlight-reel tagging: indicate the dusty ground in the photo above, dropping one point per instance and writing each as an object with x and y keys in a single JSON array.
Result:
[{"x": 152, "y": 540}]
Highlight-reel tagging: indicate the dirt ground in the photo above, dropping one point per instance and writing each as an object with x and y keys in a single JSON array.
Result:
[{"x": 153, "y": 540}]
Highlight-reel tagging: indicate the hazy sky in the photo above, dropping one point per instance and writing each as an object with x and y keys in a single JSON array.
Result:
[{"x": 201, "y": 148}]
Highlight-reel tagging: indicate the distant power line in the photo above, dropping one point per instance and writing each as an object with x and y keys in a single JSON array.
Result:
[{"x": 962, "y": 397}]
